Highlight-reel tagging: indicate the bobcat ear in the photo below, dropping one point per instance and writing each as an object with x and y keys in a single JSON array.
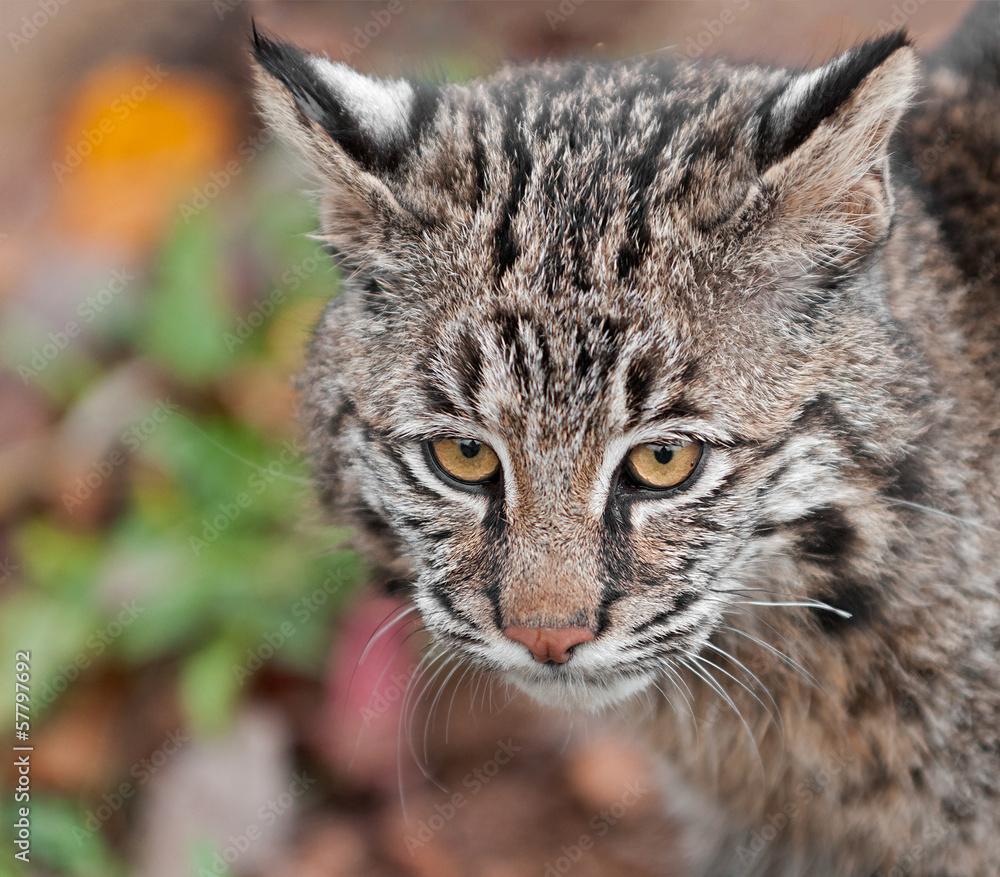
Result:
[
  {"x": 354, "y": 130},
  {"x": 822, "y": 148}
]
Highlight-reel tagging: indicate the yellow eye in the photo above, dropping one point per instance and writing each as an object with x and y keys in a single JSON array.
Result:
[
  {"x": 466, "y": 460},
  {"x": 662, "y": 466}
]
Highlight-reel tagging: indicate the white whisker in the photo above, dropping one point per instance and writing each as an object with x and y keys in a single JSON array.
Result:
[
  {"x": 966, "y": 522},
  {"x": 805, "y": 604}
]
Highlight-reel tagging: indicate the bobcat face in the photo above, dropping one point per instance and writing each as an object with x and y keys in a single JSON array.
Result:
[
  {"x": 607, "y": 487},
  {"x": 604, "y": 369}
]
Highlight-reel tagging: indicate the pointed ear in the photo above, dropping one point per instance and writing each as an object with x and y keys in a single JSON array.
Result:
[
  {"x": 353, "y": 130},
  {"x": 822, "y": 151}
]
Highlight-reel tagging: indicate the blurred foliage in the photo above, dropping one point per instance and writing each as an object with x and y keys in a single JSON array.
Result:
[{"x": 201, "y": 548}]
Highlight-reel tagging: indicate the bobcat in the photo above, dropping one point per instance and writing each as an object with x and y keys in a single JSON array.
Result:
[{"x": 674, "y": 386}]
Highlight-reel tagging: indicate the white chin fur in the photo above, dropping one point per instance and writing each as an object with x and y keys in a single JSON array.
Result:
[{"x": 578, "y": 694}]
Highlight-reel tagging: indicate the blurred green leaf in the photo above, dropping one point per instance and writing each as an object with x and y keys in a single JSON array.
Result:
[
  {"x": 186, "y": 314},
  {"x": 61, "y": 839},
  {"x": 58, "y": 560},
  {"x": 207, "y": 534},
  {"x": 45, "y": 357},
  {"x": 209, "y": 687},
  {"x": 56, "y": 633},
  {"x": 204, "y": 858}
]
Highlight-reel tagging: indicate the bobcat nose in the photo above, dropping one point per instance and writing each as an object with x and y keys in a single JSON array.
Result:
[{"x": 549, "y": 643}]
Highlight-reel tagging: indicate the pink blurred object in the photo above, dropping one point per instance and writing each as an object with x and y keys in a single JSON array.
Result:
[{"x": 364, "y": 733}]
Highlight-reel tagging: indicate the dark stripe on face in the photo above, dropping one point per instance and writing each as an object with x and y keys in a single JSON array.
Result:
[
  {"x": 391, "y": 454},
  {"x": 440, "y": 593},
  {"x": 505, "y": 246},
  {"x": 822, "y": 411},
  {"x": 424, "y": 528},
  {"x": 614, "y": 555},
  {"x": 494, "y": 557},
  {"x": 470, "y": 368},
  {"x": 641, "y": 170},
  {"x": 638, "y": 383},
  {"x": 372, "y": 296},
  {"x": 476, "y": 127},
  {"x": 909, "y": 479},
  {"x": 375, "y": 526},
  {"x": 824, "y": 535},
  {"x": 655, "y": 621},
  {"x": 611, "y": 592},
  {"x": 597, "y": 348},
  {"x": 335, "y": 425},
  {"x": 674, "y": 409},
  {"x": 437, "y": 401}
]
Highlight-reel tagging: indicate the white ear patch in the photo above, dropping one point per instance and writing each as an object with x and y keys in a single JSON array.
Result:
[
  {"x": 380, "y": 108},
  {"x": 798, "y": 92}
]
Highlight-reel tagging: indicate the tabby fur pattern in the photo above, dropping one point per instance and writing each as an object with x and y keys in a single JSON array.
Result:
[{"x": 798, "y": 270}]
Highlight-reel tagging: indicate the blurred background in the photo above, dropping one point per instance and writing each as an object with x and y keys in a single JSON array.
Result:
[{"x": 201, "y": 697}]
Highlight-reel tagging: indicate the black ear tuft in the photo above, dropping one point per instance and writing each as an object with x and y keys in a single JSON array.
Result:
[
  {"x": 374, "y": 121},
  {"x": 792, "y": 114}
]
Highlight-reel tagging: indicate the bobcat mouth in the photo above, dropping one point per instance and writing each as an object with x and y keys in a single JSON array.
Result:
[
  {"x": 563, "y": 687},
  {"x": 580, "y": 683}
]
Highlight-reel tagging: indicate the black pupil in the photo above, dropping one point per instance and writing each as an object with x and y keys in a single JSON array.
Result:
[
  {"x": 663, "y": 454},
  {"x": 469, "y": 448}
]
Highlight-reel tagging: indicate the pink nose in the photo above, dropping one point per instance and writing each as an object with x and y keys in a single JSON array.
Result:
[{"x": 549, "y": 643}]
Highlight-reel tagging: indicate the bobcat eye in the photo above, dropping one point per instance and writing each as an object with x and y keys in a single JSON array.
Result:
[
  {"x": 466, "y": 460},
  {"x": 664, "y": 465}
]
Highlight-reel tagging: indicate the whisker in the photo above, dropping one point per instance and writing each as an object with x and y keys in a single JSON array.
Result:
[
  {"x": 713, "y": 683},
  {"x": 385, "y": 625},
  {"x": 399, "y": 732},
  {"x": 805, "y": 604},
  {"x": 722, "y": 670},
  {"x": 409, "y": 703},
  {"x": 926, "y": 509},
  {"x": 451, "y": 702},
  {"x": 442, "y": 686},
  {"x": 776, "y": 652}
]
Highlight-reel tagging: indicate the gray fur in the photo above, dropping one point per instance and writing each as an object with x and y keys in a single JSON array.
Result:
[{"x": 565, "y": 261}]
